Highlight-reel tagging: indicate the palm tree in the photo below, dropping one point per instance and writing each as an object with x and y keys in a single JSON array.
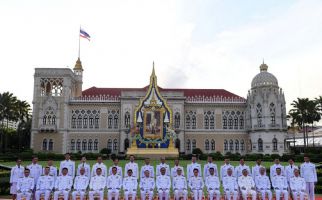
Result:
[
  {"x": 22, "y": 112},
  {"x": 319, "y": 103}
]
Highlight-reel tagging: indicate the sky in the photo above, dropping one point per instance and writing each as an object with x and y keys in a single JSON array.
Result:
[{"x": 194, "y": 44}]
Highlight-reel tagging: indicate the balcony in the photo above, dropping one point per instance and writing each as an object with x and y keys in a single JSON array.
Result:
[{"x": 48, "y": 128}]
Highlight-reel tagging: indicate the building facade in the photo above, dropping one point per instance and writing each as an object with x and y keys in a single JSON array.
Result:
[{"x": 67, "y": 118}]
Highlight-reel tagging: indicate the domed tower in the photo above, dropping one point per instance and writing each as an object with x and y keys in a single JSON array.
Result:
[
  {"x": 266, "y": 114},
  {"x": 78, "y": 71}
]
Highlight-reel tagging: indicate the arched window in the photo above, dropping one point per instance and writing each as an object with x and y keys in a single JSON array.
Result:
[
  {"x": 126, "y": 143},
  {"x": 224, "y": 119},
  {"x": 79, "y": 121},
  {"x": 231, "y": 145},
  {"x": 212, "y": 122},
  {"x": 90, "y": 144},
  {"x": 115, "y": 146},
  {"x": 259, "y": 115},
  {"x": 110, "y": 121},
  {"x": 127, "y": 119},
  {"x": 50, "y": 145},
  {"x": 207, "y": 145},
  {"x": 109, "y": 144},
  {"x": 91, "y": 121},
  {"x": 53, "y": 120},
  {"x": 44, "y": 120},
  {"x": 225, "y": 145},
  {"x": 95, "y": 145},
  {"x": 235, "y": 122},
  {"x": 78, "y": 145},
  {"x": 84, "y": 145},
  {"x": 188, "y": 122},
  {"x": 49, "y": 119},
  {"x": 260, "y": 144},
  {"x": 242, "y": 145},
  {"x": 44, "y": 144},
  {"x": 97, "y": 121},
  {"x": 116, "y": 121},
  {"x": 194, "y": 122},
  {"x": 241, "y": 122},
  {"x": 230, "y": 122},
  {"x": 177, "y": 120},
  {"x": 236, "y": 145},
  {"x": 206, "y": 122},
  {"x": 74, "y": 121},
  {"x": 72, "y": 145},
  {"x": 194, "y": 144},
  {"x": 85, "y": 121},
  {"x": 213, "y": 145},
  {"x": 274, "y": 144},
  {"x": 188, "y": 145},
  {"x": 272, "y": 113}
]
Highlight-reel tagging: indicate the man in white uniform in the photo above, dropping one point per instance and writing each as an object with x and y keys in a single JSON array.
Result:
[
  {"x": 45, "y": 184},
  {"x": 148, "y": 167},
  {"x": 192, "y": 166},
  {"x": 239, "y": 169},
  {"x": 35, "y": 170},
  {"x": 100, "y": 165},
  {"x": 230, "y": 185},
  {"x": 247, "y": 185},
  {"x": 308, "y": 172},
  {"x": 297, "y": 185},
  {"x": 85, "y": 166},
  {"x": 274, "y": 167},
  {"x": 279, "y": 183},
  {"x": 52, "y": 169},
  {"x": 130, "y": 184},
  {"x": 16, "y": 173},
  {"x": 69, "y": 164},
  {"x": 179, "y": 185},
  {"x": 263, "y": 185},
  {"x": 163, "y": 184},
  {"x": 147, "y": 185},
  {"x": 196, "y": 185},
  {"x": 25, "y": 185},
  {"x": 164, "y": 165},
  {"x": 256, "y": 168},
  {"x": 209, "y": 165},
  {"x": 80, "y": 184},
  {"x": 225, "y": 167},
  {"x": 97, "y": 185},
  {"x": 174, "y": 169},
  {"x": 63, "y": 184},
  {"x": 213, "y": 184},
  {"x": 289, "y": 170},
  {"x": 114, "y": 184},
  {"x": 133, "y": 166},
  {"x": 119, "y": 168}
]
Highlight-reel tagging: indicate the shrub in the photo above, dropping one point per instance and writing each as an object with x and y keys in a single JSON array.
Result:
[{"x": 197, "y": 151}]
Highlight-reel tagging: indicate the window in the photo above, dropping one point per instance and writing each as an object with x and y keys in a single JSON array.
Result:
[
  {"x": 79, "y": 121},
  {"x": 206, "y": 125},
  {"x": 50, "y": 145},
  {"x": 259, "y": 115},
  {"x": 110, "y": 121},
  {"x": 78, "y": 145},
  {"x": 72, "y": 145},
  {"x": 90, "y": 144},
  {"x": 188, "y": 122},
  {"x": 212, "y": 122},
  {"x": 49, "y": 117},
  {"x": 113, "y": 119},
  {"x": 188, "y": 145},
  {"x": 95, "y": 144},
  {"x": 109, "y": 144},
  {"x": 224, "y": 119},
  {"x": 74, "y": 121},
  {"x": 260, "y": 144},
  {"x": 44, "y": 144},
  {"x": 226, "y": 145},
  {"x": 116, "y": 122},
  {"x": 51, "y": 86},
  {"x": 272, "y": 113},
  {"x": 177, "y": 120},
  {"x": 84, "y": 145},
  {"x": 241, "y": 122},
  {"x": 207, "y": 145},
  {"x": 237, "y": 145},
  {"x": 230, "y": 122},
  {"x": 235, "y": 122},
  {"x": 127, "y": 119},
  {"x": 213, "y": 145},
  {"x": 242, "y": 145},
  {"x": 231, "y": 145},
  {"x": 115, "y": 145},
  {"x": 91, "y": 121},
  {"x": 85, "y": 121},
  {"x": 194, "y": 144},
  {"x": 209, "y": 120},
  {"x": 274, "y": 144},
  {"x": 194, "y": 122}
]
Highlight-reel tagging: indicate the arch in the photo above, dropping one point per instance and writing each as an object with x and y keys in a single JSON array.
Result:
[
  {"x": 272, "y": 113},
  {"x": 127, "y": 119},
  {"x": 109, "y": 144},
  {"x": 91, "y": 121},
  {"x": 206, "y": 122},
  {"x": 230, "y": 122},
  {"x": 224, "y": 119},
  {"x": 74, "y": 121},
  {"x": 231, "y": 145},
  {"x": 97, "y": 121},
  {"x": 194, "y": 122},
  {"x": 50, "y": 145},
  {"x": 44, "y": 120},
  {"x": 226, "y": 145},
  {"x": 177, "y": 120},
  {"x": 95, "y": 144},
  {"x": 188, "y": 122},
  {"x": 79, "y": 121},
  {"x": 72, "y": 145},
  {"x": 241, "y": 122},
  {"x": 194, "y": 144},
  {"x": 84, "y": 145},
  {"x": 207, "y": 144},
  {"x": 235, "y": 122},
  {"x": 116, "y": 121},
  {"x": 90, "y": 145},
  {"x": 78, "y": 145},
  {"x": 212, "y": 122},
  {"x": 44, "y": 144},
  {"x": 237, "y": 145},
  {"x": 115, "y": 145},
  {"x": 110, "y": 121},
  {"x": 213, "y": 145},
  {"x": 260, "y": 144},
  {"x": 126, "y": 143},
  {"x": 85, "y": 121},
  {"x": 275, "y": 144},
  {"x": 242, "y": 145},
  {"x": 259, "y": 115},
  {"x": 188, "y": 145}
]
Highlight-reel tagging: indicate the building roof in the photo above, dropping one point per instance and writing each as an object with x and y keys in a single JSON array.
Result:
[{"x": 264, "y": 78}]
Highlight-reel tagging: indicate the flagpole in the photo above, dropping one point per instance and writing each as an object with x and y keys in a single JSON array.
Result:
[{"x": 79, "y": 43}]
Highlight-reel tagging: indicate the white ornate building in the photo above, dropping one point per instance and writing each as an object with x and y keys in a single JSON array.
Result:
[{"x": 69, "y": 119}]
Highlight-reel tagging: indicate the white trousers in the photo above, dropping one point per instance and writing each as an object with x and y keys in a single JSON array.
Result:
[
  {"x": 20, "y": 195},
  {"x": 246, "y": 192},
  {"x": 211, "y": 194},
  {"x": 180, "y": 192},
  {"x": 63, "y": 192},
  {"x": 128, "y": 193},
  {"x": 278, "y": 194},
  {"x": 145, "y": 193},
  {"x": 163, "y": 193},
  {"x": 40, "y": 192},
  {"x": 80, "y": 193},
  {"x": 310, "y": 190},
  {"x": 230, "y": 193},
  {"x": 197, "y": 194},
  {"x": 264, "y": 192},
  {"x": 113, "y": 193},
  {"x": 100, "y": 193}
]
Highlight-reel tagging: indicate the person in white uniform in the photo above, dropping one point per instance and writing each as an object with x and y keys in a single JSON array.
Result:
[
  {"x": 97, "y": 185},
  {"x": 279, "y": 183},
  {"x": 147, "y": 186},
  {"x": 308, "y": 172},
  {"x": 16, "y": 173},
  {"x": 130, "y": 184},
  {"x": 256, "y": 168},
  {"x": 133, "y": 166},
  {"x": 148, "y": 167},
  {"x": 289, "y": 170},
  {"x": 69, "y": 164},
  {"x": 52, "y": 169},
  {"x": 297, "y": 185},
  {"x": 63, "y": 184},
  {"x": 196, "y": 185},
  {"x": 114, "y": 184},
  {"x": 179, "y": 185},
  {"x": 263, "y": 185},
  {"x": 45, "y": 184},
  {"x": 81, "y": 182},
  {"x": 209, "y": 165},
  {"x": 225, "y": 167},
  {"x": 174, "y": 169},
  {"x": 84, "y": 165},
  {"x": 213, "y": 184},
  {"x": 119, "y": 168},
  {"x": 162, "y": 164},
  {"x": 274, "y": 167},
  {"x": 163, "y": 184},
  {"x": 230, "y": 185},
  {"x": 247, "y": 185},
  {"x": 239, "y": 169},
  {"x": 193, "y": 165},
  {"x": 35, "y": 170},
  {"x": 100, "y": 165},
  {"x": 25, "y": 186}
]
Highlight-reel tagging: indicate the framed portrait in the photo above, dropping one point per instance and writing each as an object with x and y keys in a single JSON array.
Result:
[{"x": 153, "y": 125}]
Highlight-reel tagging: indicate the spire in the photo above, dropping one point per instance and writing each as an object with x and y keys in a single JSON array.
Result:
[
  {"x": 263, "y": 67},
  {"x": 153, "y": 72},
  {"x": 78, "y": 65}
]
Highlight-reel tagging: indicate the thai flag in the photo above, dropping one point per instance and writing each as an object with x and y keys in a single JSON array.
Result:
[{"x": 85, "y": 35}]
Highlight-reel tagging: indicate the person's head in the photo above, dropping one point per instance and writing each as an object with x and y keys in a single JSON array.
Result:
[
  {"x": 194, "y": 158},
  {"x": 99, "y": 159},
  {"x": 162, "y": 160},
  {"x": 26, "y": 172},
  {"x": 258, "y": 161},
  {"x": 82, "y": 171},
  {"x": 34, "y": 159},
  {"x": 277, "y": 161},
  {"x": 211, "y": 170},
  {"x": 306, "y": 158},
  {"x": 229, "y": 171},
  {"x": 98, "y": 171},
  {"x": 114, "y": 170},
  {"x": 209, "y": 159},
  {"x": 18, "y": 161},
  {"x": 83, "y": 160},
  {"x": 278, "y": 171},
  {"x": 296, "y": 172},
  {"x": 67, "y": 156},
  {"x": 245, "y": 172},
  {"x": 291, "y": 161},
  {"x": 262, "y": 171},
  {"x": 227, "y": 160},
  {"x": 179, "y": 171},
  {"x": 50, "y": 162},
  {"x": 129, "y": 172},
  {"x": 65, "y": 171},
  {"x": 116, "y": 161},
  {"x": 162, "y": 170},
  {"x": 242, "y": 161},
  {"x": 195, "y": 171},
  {"x": 147, "y": 161},
  {"x": 132, "y": 158},
  {"x": 47, "y": 170},
  {"x": 176, "y": 162},
  {"x": 147, "y": 173}
]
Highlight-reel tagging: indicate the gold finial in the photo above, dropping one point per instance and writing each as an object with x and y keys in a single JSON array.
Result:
[
  {"x": 153, "y": 72},
  {"x": 78, "y": 65},
  {"x": 263, "y": 67}
]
